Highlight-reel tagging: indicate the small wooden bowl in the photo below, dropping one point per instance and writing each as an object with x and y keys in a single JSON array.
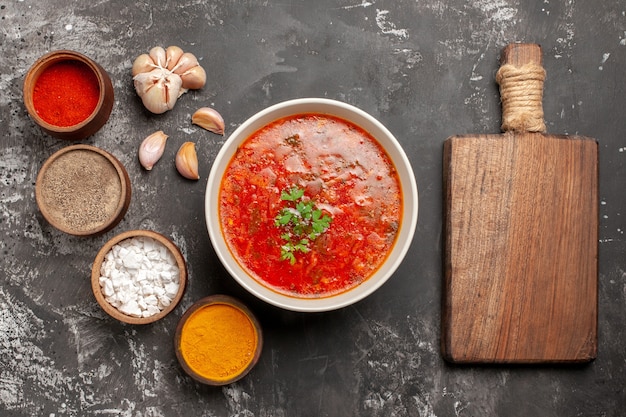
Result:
[
  {"x": 245, "y": 362},
  {"x": 83, "y": 190},
  {"x": 95, "y": 120},
  {"x": 97, "y": 264}
]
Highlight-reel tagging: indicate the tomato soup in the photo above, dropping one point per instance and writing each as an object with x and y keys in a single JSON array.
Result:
[{"x": 310, "y": 205}]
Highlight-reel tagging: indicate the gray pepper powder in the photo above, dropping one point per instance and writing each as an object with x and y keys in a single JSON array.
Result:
[{"x": 81, "y": 190}]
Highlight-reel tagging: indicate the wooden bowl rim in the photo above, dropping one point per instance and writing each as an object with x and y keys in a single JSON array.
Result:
[
  {"x": 122, "y": 205},
  {"x": 97, "y": 264},
  {"x": 212, "y": 300},
  {"x": 46, "y": 61}
]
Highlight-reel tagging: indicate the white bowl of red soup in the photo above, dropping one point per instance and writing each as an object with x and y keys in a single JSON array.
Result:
[{"x": 311, "y": 204}]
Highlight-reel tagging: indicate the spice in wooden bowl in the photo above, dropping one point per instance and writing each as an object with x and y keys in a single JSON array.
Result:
[
  {"x": 83, "y": 190},
  {"x": 68, "y": 95},
  {"x": 218, "y": 340},
  {"x": 139, "y": 276}
]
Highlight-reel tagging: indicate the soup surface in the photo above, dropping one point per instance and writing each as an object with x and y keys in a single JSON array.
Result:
[{"x": 310, "y": 205}]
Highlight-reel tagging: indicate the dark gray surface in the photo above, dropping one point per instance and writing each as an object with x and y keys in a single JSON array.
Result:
[{"x": 423, "y": 68}]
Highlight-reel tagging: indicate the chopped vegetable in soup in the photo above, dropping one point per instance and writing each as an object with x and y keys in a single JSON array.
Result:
[{"x": 310, "y": 205}]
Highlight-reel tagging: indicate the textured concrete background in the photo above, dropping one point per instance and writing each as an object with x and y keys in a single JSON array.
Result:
[{"x": 423, "y": 68}]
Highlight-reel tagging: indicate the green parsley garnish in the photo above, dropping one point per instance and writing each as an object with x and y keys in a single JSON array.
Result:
[
  {"x": 301, "y": 221},
  {"x": 293, "y": 140}
]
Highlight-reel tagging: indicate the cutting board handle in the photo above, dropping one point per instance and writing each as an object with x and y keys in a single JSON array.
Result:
[{"x": 521, "y": 76}]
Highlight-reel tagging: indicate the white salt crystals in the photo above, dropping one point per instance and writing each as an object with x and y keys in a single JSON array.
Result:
[{"x": 139, "y": 276}]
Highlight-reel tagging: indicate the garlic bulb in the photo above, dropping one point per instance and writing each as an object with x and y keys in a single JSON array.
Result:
[
  {"x": 151, "y": 149},
  {"x": 209, "y": 119},
  {"x": 187, "y": 161},
  {"x": 163, "y": 75}
]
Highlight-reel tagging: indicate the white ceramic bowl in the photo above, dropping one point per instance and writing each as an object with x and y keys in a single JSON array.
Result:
[{"x": 388, "y": 142}]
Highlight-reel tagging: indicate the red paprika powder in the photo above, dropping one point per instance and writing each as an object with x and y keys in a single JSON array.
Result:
[{"x": 66, "y": 93}]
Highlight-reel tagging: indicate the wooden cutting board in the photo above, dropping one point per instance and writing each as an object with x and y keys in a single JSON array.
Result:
[{"x": 521, "y": 234}]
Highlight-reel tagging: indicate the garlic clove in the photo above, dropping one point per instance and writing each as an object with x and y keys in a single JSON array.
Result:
[
  {"x": 151, "y": 149},
  {"x": 187, "y": 161},
  {"x": 209, "y": 119},
  {"x": 158, "y": 91},
  {"x": 158, "y": 56},
  {"x": 172, "y": 55},
  {"x": 194, "y": 78},
  {"x": 155, "y": 100},
  {"x": 174, "y": 86},
  {"x": 144, "y": 81},
  {"x": 143, "y": 63},
  {"x": 185, "y": 63}
]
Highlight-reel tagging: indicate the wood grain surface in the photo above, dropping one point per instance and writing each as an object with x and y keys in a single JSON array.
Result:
[{"x": 521, "y": 237}]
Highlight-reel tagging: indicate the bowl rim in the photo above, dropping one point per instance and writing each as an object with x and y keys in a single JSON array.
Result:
[
  {"x": 393, "y": 149},
  {"x": 43, "y": 63},
  {"x": 122, "y": 204},
  {"x": 95, "y": 276},
  {"x": 212, "y": 300}
]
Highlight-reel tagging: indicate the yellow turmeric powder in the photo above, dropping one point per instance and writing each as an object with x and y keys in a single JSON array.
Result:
[{"x": 218, "y": 342}]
